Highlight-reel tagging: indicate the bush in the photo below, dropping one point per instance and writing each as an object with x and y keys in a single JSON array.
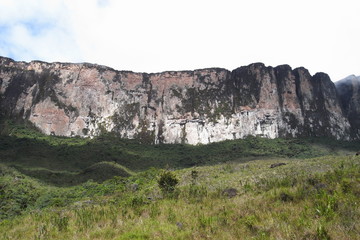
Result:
[{"x": 167, "y": 182}]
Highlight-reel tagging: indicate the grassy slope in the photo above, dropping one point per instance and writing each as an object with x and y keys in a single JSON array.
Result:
[
  {"x": 309, "y": 198},
  {"x": 306, "y": 199},
  {"x": 69, "y": 161}
]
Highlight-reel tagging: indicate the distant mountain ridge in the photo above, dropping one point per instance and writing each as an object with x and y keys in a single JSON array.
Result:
[{"x": 200, "y": 106}]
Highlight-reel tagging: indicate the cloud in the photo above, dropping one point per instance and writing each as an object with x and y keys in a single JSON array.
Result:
[
  {"x": 36, "y": 30},
  {"x": 160, "y": 35}
]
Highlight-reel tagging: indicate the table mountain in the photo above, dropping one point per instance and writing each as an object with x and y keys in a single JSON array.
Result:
[{"x": 200, "y": 106}]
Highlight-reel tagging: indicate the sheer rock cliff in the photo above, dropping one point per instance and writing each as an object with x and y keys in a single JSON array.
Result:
[
  {"x": 349, "y": 93},
  {"x": 200, "y": 106}
]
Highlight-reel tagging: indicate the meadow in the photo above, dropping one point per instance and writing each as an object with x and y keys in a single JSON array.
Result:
[{"x": 110, "y": 188}]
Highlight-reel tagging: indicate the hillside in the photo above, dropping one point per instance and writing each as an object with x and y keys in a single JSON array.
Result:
[
  {"x": 69, "y": 161},
  {"x": 72, "y": 188},
  {"x": 315, "y": 198}
]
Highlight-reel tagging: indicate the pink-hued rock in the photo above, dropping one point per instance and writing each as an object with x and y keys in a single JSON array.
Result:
[
  {"x": 200, "y": 106},
  {"x": 50, "y": 118}
]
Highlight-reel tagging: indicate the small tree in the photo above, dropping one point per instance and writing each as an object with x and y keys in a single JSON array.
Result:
[
  {"x": 167, "y": 182},
  {"x": 194, "y": 176}
]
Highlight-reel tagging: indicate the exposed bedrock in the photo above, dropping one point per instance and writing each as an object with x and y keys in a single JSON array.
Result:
[
  {"x": 200, "y": 106},
  {"x": 349, "y": 93}
]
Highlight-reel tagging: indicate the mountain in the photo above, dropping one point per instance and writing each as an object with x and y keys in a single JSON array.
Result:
[
  {"x": 349, "y": 92},
  {"x": 200, "y": 106}
]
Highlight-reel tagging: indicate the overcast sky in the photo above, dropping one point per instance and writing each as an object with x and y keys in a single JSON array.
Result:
[{"x": 158, "y": 35}]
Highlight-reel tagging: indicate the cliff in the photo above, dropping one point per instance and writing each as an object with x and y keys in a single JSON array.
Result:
[
  {"x": 349, "y": 92},
  {"x": 200, "y": 106}
]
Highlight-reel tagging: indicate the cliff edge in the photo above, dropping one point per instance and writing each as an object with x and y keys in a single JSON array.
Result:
[{"x": 200, "y": 106}]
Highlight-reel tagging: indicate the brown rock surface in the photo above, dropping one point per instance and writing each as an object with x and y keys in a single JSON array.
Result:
[{"x": 199, "y": 106}]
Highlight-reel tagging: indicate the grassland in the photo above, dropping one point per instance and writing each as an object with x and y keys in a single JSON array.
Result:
[{"x": 107, "y": 188}]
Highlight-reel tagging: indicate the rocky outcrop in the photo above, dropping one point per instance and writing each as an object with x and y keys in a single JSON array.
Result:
[
  {"x": 349, "y": 93},
  {"x": 199, "y": 106}
]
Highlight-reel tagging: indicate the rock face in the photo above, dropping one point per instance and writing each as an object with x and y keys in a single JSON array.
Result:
[
  {"x": 199, "y": 106},
  {"x": 349, "y": 93}
]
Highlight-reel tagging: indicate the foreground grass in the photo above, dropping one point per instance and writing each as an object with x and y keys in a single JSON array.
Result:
[
  {"x": 314, "y": 198},
  {"x": 63, "y": 188}
]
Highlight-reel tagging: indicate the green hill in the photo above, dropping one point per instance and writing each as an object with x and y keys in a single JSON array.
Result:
[
  {"x": 53, "y": 158},
  {"x": 314, "y": 198},
  {"x": 107, "y": 188}
]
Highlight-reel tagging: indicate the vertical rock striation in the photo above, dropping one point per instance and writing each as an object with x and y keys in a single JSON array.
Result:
[
  {"x": 349, "y": 93},
  {"x": 199, "y": 106}
]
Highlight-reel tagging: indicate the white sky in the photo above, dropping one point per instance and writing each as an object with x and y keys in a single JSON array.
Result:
[{"x": 158, "y": 35}]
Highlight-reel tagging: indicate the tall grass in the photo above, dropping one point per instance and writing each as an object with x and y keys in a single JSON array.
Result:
[
  {"x": 109, "y": 188},
  {"x": 304, "y": 199}
]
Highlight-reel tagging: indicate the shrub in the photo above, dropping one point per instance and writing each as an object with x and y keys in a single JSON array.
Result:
[
  {"x": 167, "y": 182},
  {"x": 194, "y": 176}
]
